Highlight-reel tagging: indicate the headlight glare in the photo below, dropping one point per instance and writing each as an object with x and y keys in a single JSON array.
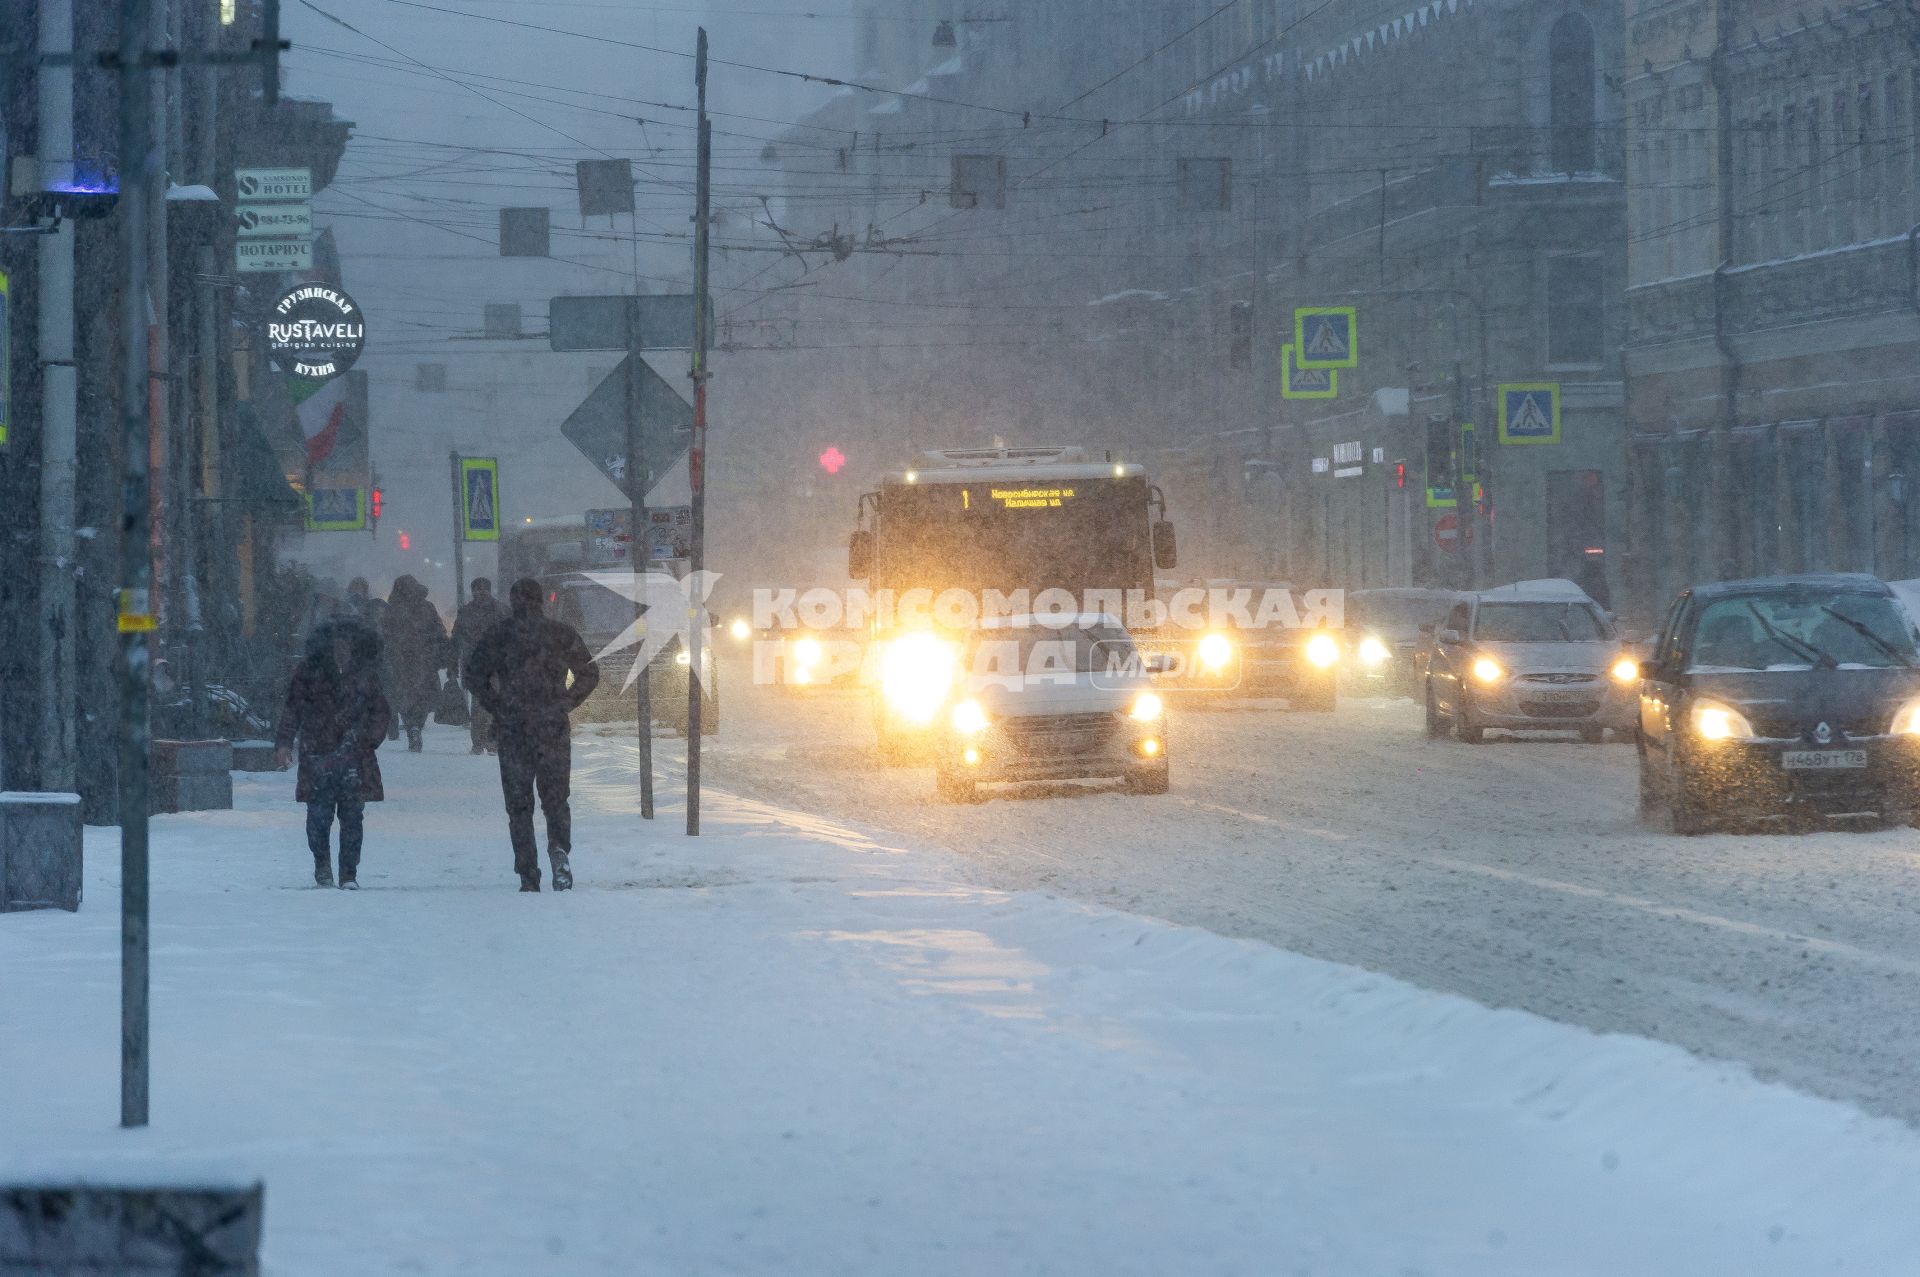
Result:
[
  {"x": 1626, "y": 670},
  {"x": 916, "y": 673},
  {"x": 1714, "y": 721},
  {"x": 1215, "y": 651},
  {"x": 1488, "y": 671},
  {"x": 1147, "y": 708},
  {"x": 1374, "y": 653},
  {"x": 1907, "y": 721},
  {"x": 808, "y": 653},
  {"x": 740, "y": 630},
  {"x": 1323, "y": 650},
  {"x": 969, "y": 719}
]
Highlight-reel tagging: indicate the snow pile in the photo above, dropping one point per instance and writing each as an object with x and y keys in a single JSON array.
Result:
[{"x": 792, "y": 1047}]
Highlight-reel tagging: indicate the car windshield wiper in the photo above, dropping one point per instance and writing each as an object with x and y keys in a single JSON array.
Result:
[
  {"x": 1861, "y": 628},
  {"x": 1788, "y": 641}
]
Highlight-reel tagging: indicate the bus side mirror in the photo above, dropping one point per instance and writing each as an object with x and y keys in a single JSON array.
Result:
[
  {"x": 860, "y": 555},
  {"x": 1166, "y": 547}
]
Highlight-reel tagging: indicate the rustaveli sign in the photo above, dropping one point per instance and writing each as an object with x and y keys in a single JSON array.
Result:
[{"x": 315, "y": 332}]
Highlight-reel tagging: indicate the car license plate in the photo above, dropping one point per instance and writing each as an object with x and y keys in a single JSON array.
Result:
[{"x": 1823, "y": 759}]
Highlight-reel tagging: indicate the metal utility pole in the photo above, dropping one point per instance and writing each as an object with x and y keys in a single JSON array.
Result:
[
  {"x": 140, "y": 165},
  {"x": 459, "y": 533},
  {"x": 697, "y": 453},
  {"x": 637, "y": 476},
  {"x": 58, "y": 407}
]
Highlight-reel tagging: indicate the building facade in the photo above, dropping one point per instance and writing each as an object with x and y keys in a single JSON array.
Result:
[{"x": 1774, "y": 292}]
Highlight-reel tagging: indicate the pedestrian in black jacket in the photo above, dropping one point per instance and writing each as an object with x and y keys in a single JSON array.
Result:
[
  {"x": 417, "y": 651},
  {"x": 476, "y": 617},
  {"x": 337, "y": 714},
  {"x": 530, "y": 673}
]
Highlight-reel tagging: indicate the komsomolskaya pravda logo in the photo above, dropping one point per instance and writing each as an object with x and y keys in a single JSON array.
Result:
[{"x": 315, "y": 331}]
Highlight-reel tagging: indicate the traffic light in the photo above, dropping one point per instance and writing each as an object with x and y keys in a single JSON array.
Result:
[
  {"x": 374, "y": 502},
  {"x": 832, "y": 460},
  {"x": 406, "y": 542}
]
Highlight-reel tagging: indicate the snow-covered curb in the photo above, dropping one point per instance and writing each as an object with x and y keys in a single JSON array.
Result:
[{"x": 790, "y": 1047}]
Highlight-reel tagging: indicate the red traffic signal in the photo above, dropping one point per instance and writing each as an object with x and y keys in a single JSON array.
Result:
[
  {"x": 832, "y": 460},
  {"x": 406, "y": 542},
  {"x": 374, "y": 503}
]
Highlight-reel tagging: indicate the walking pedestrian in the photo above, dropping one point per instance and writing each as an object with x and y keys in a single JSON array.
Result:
[
  {"x": 416, "y": 646},
  {"x": 476, "y": 616},
  {"x": 337, "y": 715},
  {"x": 530, "y": 672},
  {"x": 372, "y": 613}
]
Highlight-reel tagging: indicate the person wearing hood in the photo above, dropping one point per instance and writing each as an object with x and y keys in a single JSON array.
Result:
[
  {"x": 529, "y": 673},
  {"x": 337, "y": 715},
  {"x": 416, "y": 646}
]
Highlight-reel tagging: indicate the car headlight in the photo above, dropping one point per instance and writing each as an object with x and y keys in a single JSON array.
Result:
[
  {"x": 1714, "y": 721},
  {"x": 969, "y": 719},
  {"x": 683, "y": 657},
  {"x": 740, "y": 630},
  {"x": 1907, "y": 721},
  {"x": 916, "y": 672},
  {"x": 1625, "y": 670},
  {"x": 1323, "y": 650},
  {"x": 1215, "y": 651},
  {"x": 1373, "y": 653},
  {"x": 808, "y": 653},
  {"x": 1488, "y": 671},
  {"x": 1146, "y": 708}
]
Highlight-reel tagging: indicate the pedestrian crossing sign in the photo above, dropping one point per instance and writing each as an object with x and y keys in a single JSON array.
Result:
[
  {"x": 1306, "y": 383},
  {"x": 479, "y": 499},
  {"x": 1530, "y": 413},
  {"x": 336, "y": 509},
  {"x": 1326, "y": 337}
]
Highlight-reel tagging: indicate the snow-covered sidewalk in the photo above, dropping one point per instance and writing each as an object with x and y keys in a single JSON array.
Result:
[{"x": 792, "y": 1048}]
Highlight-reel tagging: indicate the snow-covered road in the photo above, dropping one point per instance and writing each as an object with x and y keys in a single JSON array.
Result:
[{"x": 1515, "y": 873}]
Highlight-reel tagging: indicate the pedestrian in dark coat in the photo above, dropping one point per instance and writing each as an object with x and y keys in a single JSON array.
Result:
[
  {"x": 416, "y": 645},
  {"x": 530, "y": 673},
  {"x": 475, "y": 618},
  {"x": 337, "y": 715}
]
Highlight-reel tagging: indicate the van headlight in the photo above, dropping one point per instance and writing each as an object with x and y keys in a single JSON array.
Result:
[
  {"x": 1488, "y": 671},
  {"x": 1146, "y": 708},
  {"x": 1373, "y": 653},
  {"x": 969, "y": 719},
  {"x": 1907, "y": 721},
  {"x": 1713, "y": 721},
  {"x": 1214, "y": 651},
  {"x": 916, "y": 673},
  {"x": 1323, "y": 650}
]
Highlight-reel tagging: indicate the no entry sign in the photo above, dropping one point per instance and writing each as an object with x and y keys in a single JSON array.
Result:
[{"x": 1446, "y": 532}]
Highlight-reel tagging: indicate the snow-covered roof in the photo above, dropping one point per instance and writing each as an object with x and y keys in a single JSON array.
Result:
[{"x": 1548, "y": 590}]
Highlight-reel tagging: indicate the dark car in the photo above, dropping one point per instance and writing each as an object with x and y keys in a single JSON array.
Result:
[
  {"x": 1782, "y": 697},
  {"x": 1385, "y": 630}
]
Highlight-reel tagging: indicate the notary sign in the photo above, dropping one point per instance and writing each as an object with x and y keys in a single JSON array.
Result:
[
  {"x": 272, "y": 254},
  {"x": 315, "y": 331},
  {"x": 255, "y": 221}
]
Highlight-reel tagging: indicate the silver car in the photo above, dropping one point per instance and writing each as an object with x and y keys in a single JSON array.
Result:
[{"x": 1547, "y": 661}]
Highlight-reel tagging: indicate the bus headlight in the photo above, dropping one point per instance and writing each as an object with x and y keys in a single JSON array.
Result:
[
  {"x": 916, "y": 672},
  {"x": 1214, "y": 651},
  {"x": 1323, "y": 650},
  {"x": 1373, "y": 653},
  {"x": 969, "y": 719},
  {"x": 1488, "y": 671},
  {"x": 1147, "y": 708},
  {"x": 1714, "y": 721},
  {"x": 740, "y": 630},
  {"x": 1625, "y": 670}
]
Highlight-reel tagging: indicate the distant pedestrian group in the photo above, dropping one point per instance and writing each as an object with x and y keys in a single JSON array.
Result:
[{"x": 373, "y": 671}]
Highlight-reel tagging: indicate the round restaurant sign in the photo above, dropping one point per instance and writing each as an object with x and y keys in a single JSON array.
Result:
[{"x": 315, "y": 331}]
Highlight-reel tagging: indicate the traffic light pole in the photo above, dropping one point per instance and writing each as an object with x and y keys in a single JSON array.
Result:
[
  {"x": 637, "y": 475},
  {"x": 697, "y": 452}
]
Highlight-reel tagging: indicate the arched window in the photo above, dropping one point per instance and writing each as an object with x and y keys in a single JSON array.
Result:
[{"x": 1571, "y": 95}]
